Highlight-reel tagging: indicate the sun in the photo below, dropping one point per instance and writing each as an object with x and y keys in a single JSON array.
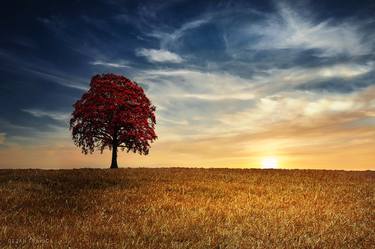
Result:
[{"x": 269, "y": 162}]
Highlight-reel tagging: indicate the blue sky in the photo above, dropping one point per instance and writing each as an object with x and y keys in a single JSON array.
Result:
[{"x": 233, "y": 81}]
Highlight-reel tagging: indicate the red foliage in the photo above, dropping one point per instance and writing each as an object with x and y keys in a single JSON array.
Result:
[{"x": 114, "y": 113}]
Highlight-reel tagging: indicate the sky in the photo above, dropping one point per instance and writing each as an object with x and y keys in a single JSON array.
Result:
[{"x": 235, "y": 83}]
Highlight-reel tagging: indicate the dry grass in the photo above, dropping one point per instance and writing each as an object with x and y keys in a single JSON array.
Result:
[{"x": 186, "y": 208}]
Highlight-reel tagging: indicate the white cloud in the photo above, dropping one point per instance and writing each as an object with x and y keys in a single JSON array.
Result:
[
  {"x": 159, "y": 55},
  {"x": 290, "y": 30},
  {"x": 109, "y": 64}
]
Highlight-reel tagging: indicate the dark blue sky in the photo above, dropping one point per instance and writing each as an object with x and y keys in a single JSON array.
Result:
[{"x": 204, "y": 63}]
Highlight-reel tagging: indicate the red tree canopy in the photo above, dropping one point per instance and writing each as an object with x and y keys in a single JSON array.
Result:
[{"x": 114, "y": 113}]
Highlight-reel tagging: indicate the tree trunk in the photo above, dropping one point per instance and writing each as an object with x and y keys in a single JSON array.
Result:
[{"x": 114, "y": 157}]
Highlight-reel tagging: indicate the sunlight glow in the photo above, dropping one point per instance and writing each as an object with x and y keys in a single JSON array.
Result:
[{"x": 269, "y": 163}]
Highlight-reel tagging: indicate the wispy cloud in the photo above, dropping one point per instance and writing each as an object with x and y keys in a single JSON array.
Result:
[
  {"x": 275, "y": 80},
  {"x": 44, "y": 70},
  {"x": 159, "y": 55},
  {"x": 120, "y": 64},
  {"x": 201, "y": 98},
  {"x": 193, "y": 83},
  {"x": 38, "y": 131},
  {"x": 2, "y": 138},
  {"x": 288, "y": 29},
  {"x": 66, "y": 81},
  {"x": 60, "y": 116},
  {"x": 167, "y": 39},
  {"x": 217, "y": 85}
]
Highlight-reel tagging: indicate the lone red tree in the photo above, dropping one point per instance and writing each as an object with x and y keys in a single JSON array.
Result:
[{"x": 114, "y": 113}]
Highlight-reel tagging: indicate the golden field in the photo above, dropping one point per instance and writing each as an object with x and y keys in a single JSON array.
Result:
[{"x": 186, "y": 208}]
